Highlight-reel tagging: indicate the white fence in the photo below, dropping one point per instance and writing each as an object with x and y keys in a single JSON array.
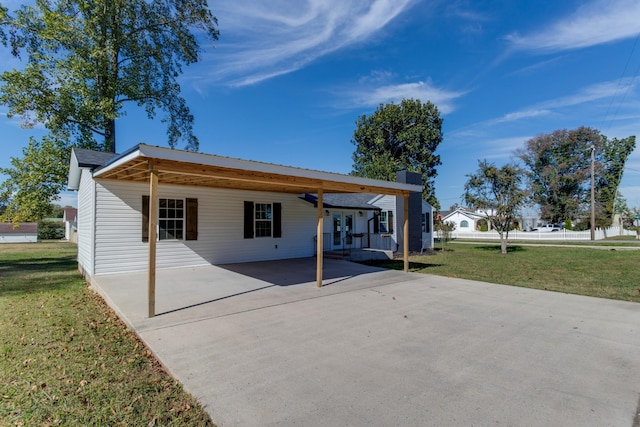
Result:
[{"x": 561, "y": 235}]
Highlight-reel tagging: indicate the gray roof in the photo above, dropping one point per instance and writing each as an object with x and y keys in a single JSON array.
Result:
[
  {"x": 90, "y": 158},
  {"x": 344, "y": 200},
  {"x": 22, "y": 228}
]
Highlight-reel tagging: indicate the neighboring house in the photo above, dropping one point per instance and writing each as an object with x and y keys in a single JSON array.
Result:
[
  {"x": 208, "y": 209},
  {"x": 18, "y": 233},
  {"x": 465, "y": 219},
  {"x": 69, "y": 218}
]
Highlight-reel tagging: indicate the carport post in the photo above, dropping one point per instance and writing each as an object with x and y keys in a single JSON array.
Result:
[
  {"x": 153, "y": 220},
  {"x": 319, "y": 238},
  {"x": 405, "y": 230}
]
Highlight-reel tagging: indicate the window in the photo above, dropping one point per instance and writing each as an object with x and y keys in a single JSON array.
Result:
[
  {"x": 464, "y": 224},
  {"x": 384, "y": 222},
  {"x": 426, "y": 223},
  {"x": 263, "y": 219},
  {"x": 171, "y": 219},
  {"x": 177, "y": 219}
]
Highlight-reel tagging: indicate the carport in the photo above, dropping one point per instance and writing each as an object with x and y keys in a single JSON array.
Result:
[{"x": 157, "y": 166}]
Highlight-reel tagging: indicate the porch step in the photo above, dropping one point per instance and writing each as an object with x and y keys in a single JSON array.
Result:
[{"x": 336, "y": 254}]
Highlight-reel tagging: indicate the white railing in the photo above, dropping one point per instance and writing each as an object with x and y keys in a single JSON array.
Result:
[{"x": 561, "y": 235}]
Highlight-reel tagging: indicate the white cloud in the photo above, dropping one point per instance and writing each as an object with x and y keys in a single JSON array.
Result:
[
  {"x": 260, "y": 40},
  {"x": 597, "y": 22},
  {"x": 518, "y": 115},
  {"x": 372, "y": 95},
  {"x": 596, "y": 92},
  {"x": 501, "y": 148}
]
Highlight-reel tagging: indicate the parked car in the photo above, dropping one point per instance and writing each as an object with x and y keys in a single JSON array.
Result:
[{"x": 548, "y": 228}]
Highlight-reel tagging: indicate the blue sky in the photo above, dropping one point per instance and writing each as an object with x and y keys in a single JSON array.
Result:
[{"x": 288, "y": 79}]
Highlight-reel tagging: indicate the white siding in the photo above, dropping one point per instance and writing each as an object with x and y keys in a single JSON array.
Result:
[
  {"x": 118, "y": 239},
  {"x": 18, "y": 238},
  {"x": 388, "y": 203},
  {"x": 85, "y": 222}
]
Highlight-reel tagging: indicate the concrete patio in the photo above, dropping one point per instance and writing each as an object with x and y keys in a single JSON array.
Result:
[{"x": 259, "y": 345}]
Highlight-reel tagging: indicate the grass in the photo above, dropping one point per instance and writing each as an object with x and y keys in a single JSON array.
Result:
[
  {"x": 611, "y": 241},
  {"x": 592, "y": 272},
  {"x": 66, "y": 358}
]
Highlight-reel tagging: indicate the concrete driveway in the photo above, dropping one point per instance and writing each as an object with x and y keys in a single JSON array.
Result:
[{"x": 259, "y": 345}]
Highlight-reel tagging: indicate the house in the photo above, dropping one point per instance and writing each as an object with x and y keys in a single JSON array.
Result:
[
  {"x": 373, "y": 221},
  {"x": 18, "y": 233},
  {"x": 69, "y": 217},
  {"x": 157, "y": 207},
  {"x": 465, "y": 219}
]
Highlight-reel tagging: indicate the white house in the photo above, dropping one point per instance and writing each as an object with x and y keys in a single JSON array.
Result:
[
  {"x": 156, "y": 207},
  {"x": 18, "y": 233},
  {"x": 464, "y": 219},
  {"x": 371, "y": 221}
]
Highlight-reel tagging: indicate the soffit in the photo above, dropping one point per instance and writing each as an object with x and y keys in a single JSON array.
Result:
[{"x": 175, "y": 172}]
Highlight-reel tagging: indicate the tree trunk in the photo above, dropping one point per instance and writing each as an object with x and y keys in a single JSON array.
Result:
[
  {"x": 110, "y": 136},
  {"x": 503, "y": 242}
]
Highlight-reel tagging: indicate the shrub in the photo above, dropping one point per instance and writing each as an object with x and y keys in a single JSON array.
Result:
[
  {"x": 567, "y": 224},
  {"x": 50, "y": 230}
]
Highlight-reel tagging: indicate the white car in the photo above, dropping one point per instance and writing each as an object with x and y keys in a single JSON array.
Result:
[{"x": 548, "y": 228}]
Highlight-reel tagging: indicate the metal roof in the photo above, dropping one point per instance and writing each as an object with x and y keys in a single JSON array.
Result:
[{"x": 180, "y": 167}]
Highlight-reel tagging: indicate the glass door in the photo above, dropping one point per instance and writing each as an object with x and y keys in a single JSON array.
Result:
[
  {"x": 337, "y": 230},
  {"x": 342, "y": 230},
  {"x": 348, "y": 229}
]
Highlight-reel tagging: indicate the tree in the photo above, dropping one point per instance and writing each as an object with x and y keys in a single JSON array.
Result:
[
  {"x": 84, "y": 61},
  {"x": 499, "y": 194},
  {"x": 35, "y": 180},
  {"x": 559, "y": 170},
  {"x": 397, "y": 137},
  {"x": 613, "y": 158},
  {"x": 443, "y": 231}
]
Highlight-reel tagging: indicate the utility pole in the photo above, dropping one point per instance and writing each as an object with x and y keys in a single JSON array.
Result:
[{"x": 593, "y": 193}]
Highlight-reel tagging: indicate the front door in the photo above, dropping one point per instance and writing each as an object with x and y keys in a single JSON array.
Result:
[{"x": 342, "y": 230}]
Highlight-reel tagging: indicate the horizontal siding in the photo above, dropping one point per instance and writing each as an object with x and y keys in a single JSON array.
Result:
[
  {"x": 388, "y": 203},
  {"x": 85, "y": 221},
  {"x": 119, "y": 245}
]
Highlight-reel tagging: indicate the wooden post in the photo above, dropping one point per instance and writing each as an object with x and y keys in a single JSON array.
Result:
[
  {"x": 405, "y": 241},
  {"x": 153, "y": 221},
  {"x": 319, "y": 239}
]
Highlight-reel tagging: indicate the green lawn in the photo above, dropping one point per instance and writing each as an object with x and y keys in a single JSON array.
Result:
[
  {"x": 66, "y": 358},
  {"x": 593, "y": 272}
]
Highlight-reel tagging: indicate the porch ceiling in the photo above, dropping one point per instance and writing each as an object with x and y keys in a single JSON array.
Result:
[{"x": 177, "y": 172}]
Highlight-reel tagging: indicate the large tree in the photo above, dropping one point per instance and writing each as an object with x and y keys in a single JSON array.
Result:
[
  {"x": 396, "y": 137},
  {"x": 85, "y": 60},
  {"x": 559, "y": 171},
  {"x": 612, "y": 159},
  {"x": 499, "y": 193}
]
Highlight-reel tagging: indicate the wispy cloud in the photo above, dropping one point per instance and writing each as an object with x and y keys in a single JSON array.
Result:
[
  {"x": 518, "y": 115},
  {"x": 501, "y": 148},
  {"x": 372, "y": 93},
  {"x": 260, "y": 40},
  {"x": 597, "y": 22},
  {"x": 596, "y": 92}
]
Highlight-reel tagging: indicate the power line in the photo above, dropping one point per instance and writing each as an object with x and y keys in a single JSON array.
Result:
[{"x": 624, "y": 71}]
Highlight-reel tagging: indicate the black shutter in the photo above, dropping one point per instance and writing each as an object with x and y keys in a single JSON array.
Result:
[
  {"x": 427, "y": 223},
  {"x": 376, "y": 222},
  {"x": 145, "y": 218},
  {"x": 277, "y": 220},
  {"x": 390, "y": 221},
  {"x": 248, "y": 220},
  {"x": 192, "y": 219}
]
